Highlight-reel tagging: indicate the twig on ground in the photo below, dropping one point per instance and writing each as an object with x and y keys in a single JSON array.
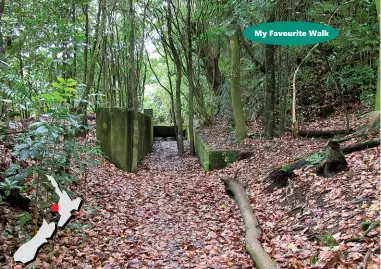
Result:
[{"x": 366, "y": 258}]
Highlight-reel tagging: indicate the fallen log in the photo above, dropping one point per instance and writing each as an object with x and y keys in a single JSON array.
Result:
[
  {"x": 361, "y": 146},
  {"x": 324, "y": 133},
  {"x": 281, "y": 175},
  {"x": 254, "y": 247}
]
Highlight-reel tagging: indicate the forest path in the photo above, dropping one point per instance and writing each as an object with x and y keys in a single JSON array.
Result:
[{"x": 167, "y": 215}]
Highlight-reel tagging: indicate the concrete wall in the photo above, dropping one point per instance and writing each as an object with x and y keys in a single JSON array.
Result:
[
  {"x": 213, "y": 158},
  {"x": 114, "y": 128}
]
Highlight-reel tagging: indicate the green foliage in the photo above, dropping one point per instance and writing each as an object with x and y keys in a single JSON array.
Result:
[
  {"x": 8, "y": 186},
  {"x": 285, "y": 168},
  {"x": 368, "y": 99},
  {"x": 50, "y": 143},
  {"x": 328, "y": 240},
  {"x": 316, "y": 158},
  {"x": 361, "y": 77},
  {"x": 24, "y": 219},
  {"x": 313, "y": 260}
]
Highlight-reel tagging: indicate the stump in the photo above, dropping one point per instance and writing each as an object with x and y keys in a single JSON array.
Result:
[{"x": 335, "y": 161}]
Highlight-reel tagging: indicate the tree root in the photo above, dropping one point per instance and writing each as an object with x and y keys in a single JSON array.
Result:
[{"x": 254, "y": 247}]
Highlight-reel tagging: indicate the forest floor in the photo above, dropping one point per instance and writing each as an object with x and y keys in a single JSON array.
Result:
[{"x": 172, "y": 215}]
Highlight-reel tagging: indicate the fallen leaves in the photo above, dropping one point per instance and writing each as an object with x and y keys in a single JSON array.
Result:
[{"x": 171, "y": 215}]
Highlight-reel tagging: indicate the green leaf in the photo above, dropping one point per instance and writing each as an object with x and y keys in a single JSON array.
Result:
[
  {"x": 313, "y": 260},
  {"x": 57, "y": 85},
  {"x": 62, "y": 80},
  {"x": 70, "y": 82},
  {"x": 24, "y": 154},
  {"x": 6, "y": 101},
  {"x": 328, "y": 240},
  {"x": 69, "y": 89},
  {"x": 42, "y": 129}
]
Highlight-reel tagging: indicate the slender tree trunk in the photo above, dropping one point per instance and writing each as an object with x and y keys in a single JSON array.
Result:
[
  {"x": 139, "y": 59},
  {"x": 133, "y": 90},
  {"x": 2, "y": 5},
  {"x": 74, "y": 71},
  {"x": 171, "y": 89},
  {"x": 177, "y": 60},
  {"x": 190, "y": 78},
  {"x": 269, "y": 118},
  {"x": 239, "y": 117},
  {"x": 377, "y": 108},
  {"x": 97, "y": 88},
  {"x": 85, "y": 10},
  {"x": 118, "y": 59},
  {"x": 284, "y": 94},
  {"x": 105, "y": 72},
  {"x": 83, "y": 105}
]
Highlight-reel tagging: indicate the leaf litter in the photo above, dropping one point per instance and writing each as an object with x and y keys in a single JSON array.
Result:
[{"x": 172, "y": 215}]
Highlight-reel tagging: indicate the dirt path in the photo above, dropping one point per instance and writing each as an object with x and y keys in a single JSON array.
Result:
[{"x": 167, "y": 215}]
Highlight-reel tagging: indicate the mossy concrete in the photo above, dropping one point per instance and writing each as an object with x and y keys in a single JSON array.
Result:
[
  {"x": 211, "y": 159},
  {"x": 103, "y": 129},
  {"x": 115, "y": 132}
]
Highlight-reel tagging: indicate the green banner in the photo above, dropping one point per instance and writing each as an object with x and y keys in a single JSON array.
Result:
[{"x": 290, "y": 33}]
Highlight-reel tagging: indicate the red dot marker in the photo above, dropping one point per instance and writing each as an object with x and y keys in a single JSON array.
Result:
[{"x": 54, "y": 208}]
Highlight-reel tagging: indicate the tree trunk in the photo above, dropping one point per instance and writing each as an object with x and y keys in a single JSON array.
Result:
[
  {"x": 269, "y": 118},
  {"x": 133, "y": 90},
  {"x": 177, "y": 60},
  {"x": 85, "y": 10},
  {"x": 377, "y": 108},
  {"x": 190, "y": 78},
  {"x": 324, "y": 133},
  {"x": 82, "y": 108},
  {"x": 253, "y": 232},
  {"x": 239, "y": 118},
  {"x": 284, "y": 94},
  {"x": 2, "y": 5}
]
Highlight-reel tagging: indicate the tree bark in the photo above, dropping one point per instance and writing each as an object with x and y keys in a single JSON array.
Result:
[
  {"x": 281, "y": 174},
  {"x": 361, "y": 146},
  {"x": 190, "y": 78},
  {"x": 239, "y": 117},
  {"x": 82, "y": 108},
  {"x": 85, "y": 10},
  {"x": 377, "y": 108},
  {"x": 269, "y": 118},
  {"x": 133, "y": 90},
  {"x": 2, "y": 5},
  {"x": 254, "y": 247},
  {"x": 324, "y": 133},
  {"x": 177, "y": 60}
]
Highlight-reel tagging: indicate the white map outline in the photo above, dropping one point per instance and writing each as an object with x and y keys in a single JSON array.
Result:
[{"x": 27, "y": 252}]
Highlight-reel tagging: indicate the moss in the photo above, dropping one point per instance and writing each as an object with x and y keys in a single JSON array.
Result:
[
  {"x": 115, "y": 131},
  {"x": 104, "y": 130},
  {"x": 119, "y": 137},
  {"x": 213, "y": 158},
  {"x": 202, "y": 151},
  {"x": 222, "y": 158},
  {"x": 316, "y": 158}
]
